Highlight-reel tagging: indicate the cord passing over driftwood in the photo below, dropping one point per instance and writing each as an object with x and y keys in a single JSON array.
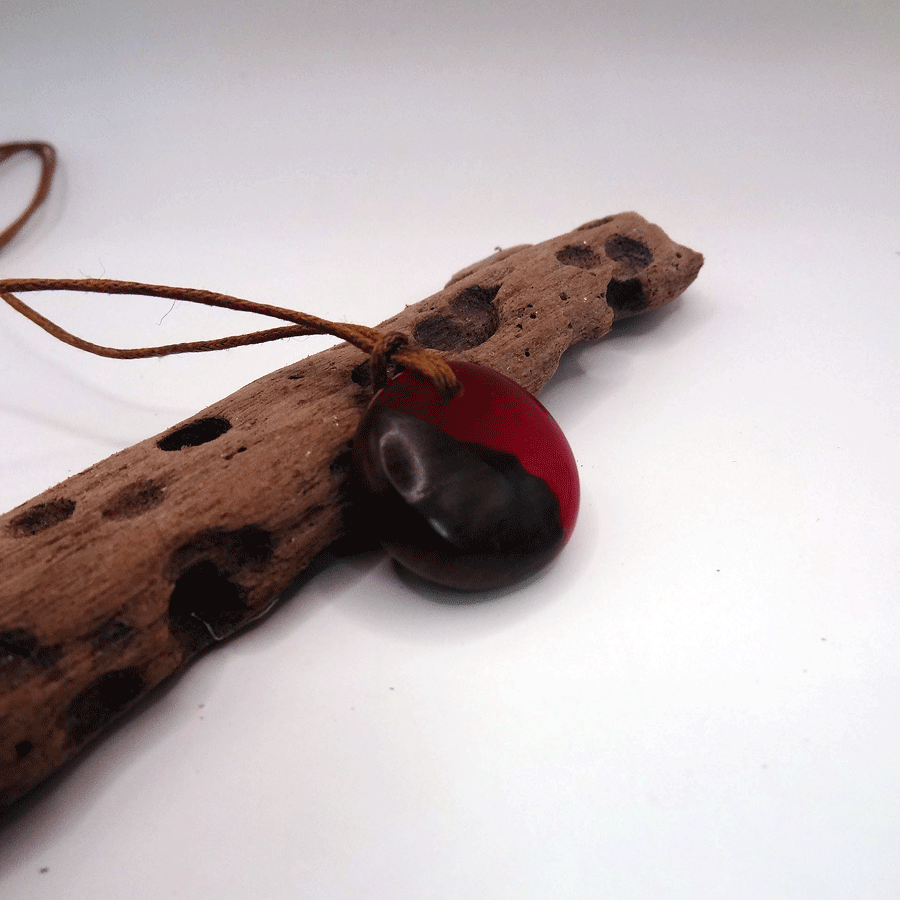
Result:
[{"x": 147, "y": 557}]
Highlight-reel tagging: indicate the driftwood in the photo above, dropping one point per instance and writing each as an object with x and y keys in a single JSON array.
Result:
[{"x": 114, "y": 579}]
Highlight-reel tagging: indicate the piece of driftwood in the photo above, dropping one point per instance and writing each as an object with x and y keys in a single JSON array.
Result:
[{"x": 114, "y": 579}]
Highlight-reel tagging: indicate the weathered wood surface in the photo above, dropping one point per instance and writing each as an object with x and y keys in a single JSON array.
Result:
[{"x": 114, "y": 579}]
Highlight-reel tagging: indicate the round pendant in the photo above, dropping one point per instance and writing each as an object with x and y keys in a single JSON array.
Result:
[{"x": 472, "y": 492}]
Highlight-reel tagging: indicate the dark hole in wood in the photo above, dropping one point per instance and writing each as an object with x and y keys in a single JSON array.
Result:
[
  {"x": 626, "y": 296},
  {"x": 205, "y": 605},
  {"x": 201, "y": 431},
  {"x": 362, "y": 374},
  {"x": 232, "y": 550},
  {"x": 23, "y": 748},
  {"x": 111, "y": 635},
  {"x": 19, "y": 648},
  {"x": 41, "y": 516},
  {"x": 579, "y": 255},
  {"x": 631, "y": 254},
  {"x": 468, "y": 320},
  {"x": 134, "y": 500},
  {"x": 99, "y": 703},
  {"x": 17, "y": 643}
]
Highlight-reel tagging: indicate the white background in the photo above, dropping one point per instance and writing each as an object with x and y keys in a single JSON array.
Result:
[{"x": 701, "y": 698}]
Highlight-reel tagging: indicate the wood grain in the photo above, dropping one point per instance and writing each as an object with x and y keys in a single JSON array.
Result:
[{"x": 116, "y": 578}]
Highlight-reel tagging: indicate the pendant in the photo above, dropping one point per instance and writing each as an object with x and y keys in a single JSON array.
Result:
[{"x": 471, "y": 492}]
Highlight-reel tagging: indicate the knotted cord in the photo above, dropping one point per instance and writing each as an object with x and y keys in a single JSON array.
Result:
[{"x": 382, "y": 347}]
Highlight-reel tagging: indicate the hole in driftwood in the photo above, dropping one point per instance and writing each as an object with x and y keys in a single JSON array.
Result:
[
  {"x": 628, "y": 251},
  {"x": 202, "y": 431},
  {"x": 579, "y": 255},
  {"x": 111, "y": 635},
  {"x": 134, "y": 500},
  {"x": 626, "y": 296},
  {"x": 17, "y": 643},
  {"x": 19, "y": 647},
  {"x": 231, "y": 550},
  {"x": 362, "y": 374},
  {"x": 205, "y": 605},
  {"x": 100, "y": 702},
  {"x": 41, "y": 516},
  {"x": 468, "y": 320}
]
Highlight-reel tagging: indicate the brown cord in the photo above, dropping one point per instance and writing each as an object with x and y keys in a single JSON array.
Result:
[
  {"x": 386, "y": 346},
  {"x": 48, "y": 166},
  {"x": 381, "y": 347}
]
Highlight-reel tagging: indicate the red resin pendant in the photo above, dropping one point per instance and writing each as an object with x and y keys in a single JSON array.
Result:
[{"x": 472, "y": 492}]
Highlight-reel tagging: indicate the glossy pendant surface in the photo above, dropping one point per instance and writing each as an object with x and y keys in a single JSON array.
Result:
[{"x": 472, "y": 492}]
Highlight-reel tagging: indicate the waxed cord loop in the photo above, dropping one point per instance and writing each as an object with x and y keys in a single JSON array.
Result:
[
  {"x": 47, "y": 155},
  {"x": 382, "y": 347}
]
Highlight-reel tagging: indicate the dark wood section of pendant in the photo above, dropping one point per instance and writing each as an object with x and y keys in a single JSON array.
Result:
[{"x": 457, "y": 513}]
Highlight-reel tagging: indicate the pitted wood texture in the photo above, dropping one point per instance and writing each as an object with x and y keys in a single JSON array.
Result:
[{"x": 114, "y": 579}]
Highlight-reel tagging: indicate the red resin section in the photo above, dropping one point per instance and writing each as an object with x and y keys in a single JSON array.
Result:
[{"x": 492, "y": 410}]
